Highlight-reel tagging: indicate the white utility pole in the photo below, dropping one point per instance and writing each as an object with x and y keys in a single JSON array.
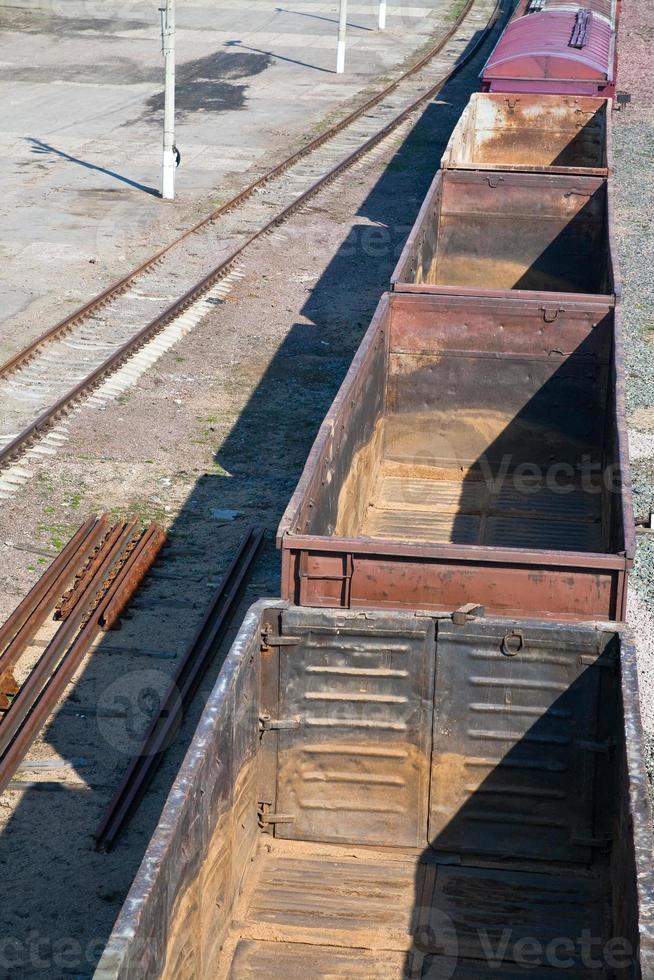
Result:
[
  {"x": 382, "y": 15},
  {"x": 340, "y": 49},
  {"x": 168, "y": 47}
]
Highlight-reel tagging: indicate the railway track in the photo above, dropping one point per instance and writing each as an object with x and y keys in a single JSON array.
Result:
[{"x": 41, "y": 383}]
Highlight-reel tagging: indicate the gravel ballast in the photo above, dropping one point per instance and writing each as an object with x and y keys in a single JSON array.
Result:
[{"x": 634, "y": 227}]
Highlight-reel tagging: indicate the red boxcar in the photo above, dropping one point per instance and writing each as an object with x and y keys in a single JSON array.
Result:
[{"x": 555, "y": 51}]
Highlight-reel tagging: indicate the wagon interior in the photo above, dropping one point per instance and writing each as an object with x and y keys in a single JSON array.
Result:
[
  {"x": 474, "y": 423},
  {"x": 410, "y": 837},
  {"x": 510, "y": 231},
  {"x": 461, "y": 819},
  {"x": 516, "y": 132}
]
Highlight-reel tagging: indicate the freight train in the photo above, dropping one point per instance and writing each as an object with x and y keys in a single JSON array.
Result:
[
  {"x": 426, "y": 758},
  {"x": 556, "y": 47}
]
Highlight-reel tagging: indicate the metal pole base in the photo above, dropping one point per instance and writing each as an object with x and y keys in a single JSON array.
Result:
[
  {"x": 340, "y": 58},
  {"x": 168, "y": 175}
]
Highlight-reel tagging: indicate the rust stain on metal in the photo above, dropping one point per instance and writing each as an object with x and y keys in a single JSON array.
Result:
[
  {"x": 32, "y": 612},
  {"x": 545, "y": 134},
  {"x": 122, "y": 578},
  {"x": 354, "y": 497},
  {"x": 128, "y": 540},
  {"x": 8, "y": 688},
  {"x": 72, "y": 596},
  {"x": 486, "y": 232},
  {"x": 140, "y": 559},
  {"x": 8, "y": 684}
]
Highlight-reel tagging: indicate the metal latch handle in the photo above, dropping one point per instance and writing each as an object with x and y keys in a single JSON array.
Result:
[
  {"x": 467, "y": 612},
  {"x": 268, "y": 724},
  {"x": 513, "y": 643},
  {"x": 269, "y": 639},
  {"x": 267, "y": 817}
]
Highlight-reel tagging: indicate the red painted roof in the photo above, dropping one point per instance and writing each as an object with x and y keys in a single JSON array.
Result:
[{"x": 537, "y": 46}]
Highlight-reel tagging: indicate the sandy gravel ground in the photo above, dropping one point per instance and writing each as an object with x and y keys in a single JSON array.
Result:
[{"x": 223, "y": 422}]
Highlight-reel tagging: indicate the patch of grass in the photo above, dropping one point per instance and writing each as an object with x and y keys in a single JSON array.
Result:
[
  {"x": 207, "y": 436},
  {"x": 57, "y": 534},
  {"x": 45, "y": 481},
  {"x": 204, "y": 439},
  {"x": 145, "y": 510},
  {"x": 210, "y": 429},
  {"x": 456, "y": 9}
]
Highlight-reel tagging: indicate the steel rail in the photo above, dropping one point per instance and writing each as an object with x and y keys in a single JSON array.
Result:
[
  {"x": 39, "y": 694},
  {"x": 181, "y": 689},
  {"x": 119, "y": 286},
  {"x": 26, "y": 608},
  {"x": 126, "y": 350},
  {"x": 132, "y": 575},
  {"x": 76, "y": 593},
  {"x": 31, "y": 613},
  {"x": 36, "y": 682}
]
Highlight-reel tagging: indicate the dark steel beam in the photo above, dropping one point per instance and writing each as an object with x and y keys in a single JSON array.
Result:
[{"x": 181, "y": 689}]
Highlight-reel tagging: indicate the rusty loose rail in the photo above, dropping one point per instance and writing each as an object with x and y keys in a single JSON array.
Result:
[
  {"x": 181, "y": 689},
  {"x": 107, "y": 566},
  {"x": 31, "y": 613}
]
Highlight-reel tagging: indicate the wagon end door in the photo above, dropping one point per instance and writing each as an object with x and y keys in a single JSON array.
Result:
[
  {"x": 515, "y": 741},
  {"x": 354, "y": 727}
]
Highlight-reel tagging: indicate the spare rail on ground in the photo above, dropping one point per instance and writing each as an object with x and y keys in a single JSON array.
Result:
[
  {"x": 105, "y": 567},
  {"x": 182, "y": 687}
]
